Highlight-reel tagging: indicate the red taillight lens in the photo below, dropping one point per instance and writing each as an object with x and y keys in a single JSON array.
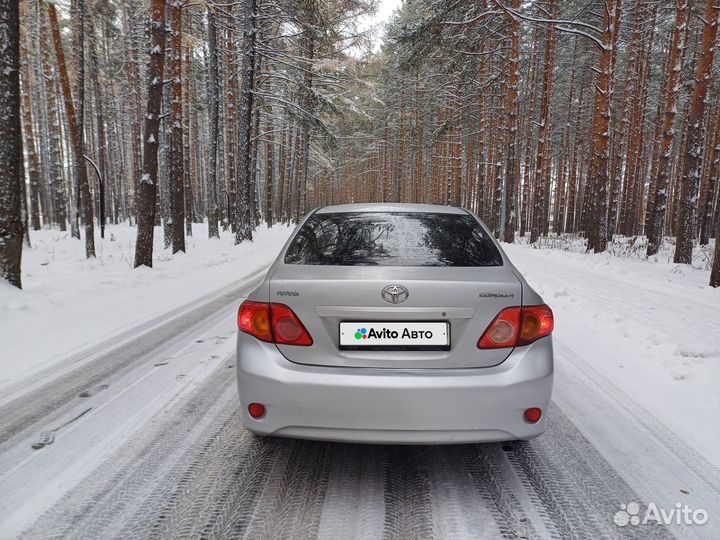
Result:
[
  {"x": 254, "y": 319},
  {"x": 537, "y": 322},
  {"x": 517, "y": 326},
  {"x": 287, "y": 327},
  {"x": 274, "y": 323},
  {"x": 503, "y": 331}
]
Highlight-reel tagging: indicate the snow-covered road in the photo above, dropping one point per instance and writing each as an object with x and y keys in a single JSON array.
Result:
[{"x": 140, "y": 436}]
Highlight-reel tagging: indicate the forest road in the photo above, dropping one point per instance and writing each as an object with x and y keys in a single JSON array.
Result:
[{"x": 140, "y": 437}]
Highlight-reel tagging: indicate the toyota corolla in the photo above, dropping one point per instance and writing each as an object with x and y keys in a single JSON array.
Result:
[{"x": 394, "y": 323}]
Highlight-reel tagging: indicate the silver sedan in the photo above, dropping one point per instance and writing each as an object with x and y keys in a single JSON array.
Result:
[{"x": 394, "y": 323}]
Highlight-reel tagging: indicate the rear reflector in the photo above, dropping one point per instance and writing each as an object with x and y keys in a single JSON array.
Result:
[
  {"x": 274, "y": 323},
  {"x": 516, "y": 326},
  {"x": 256, "y": 410},
  {"x": 533, "y": 415}
]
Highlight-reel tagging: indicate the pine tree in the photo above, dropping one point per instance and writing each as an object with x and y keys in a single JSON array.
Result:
[
  {"x": 214, "y": 99},
  {"x": 12, "y": 174},
  {"x": 695, "y": 135},
  {"x": 75, "y": 120},
  {"x": 147, "y": 186},
  {"x": 177, "y": 159},
  {"x": 243, "y": 198},
  {"x": 674, "y": 67}
]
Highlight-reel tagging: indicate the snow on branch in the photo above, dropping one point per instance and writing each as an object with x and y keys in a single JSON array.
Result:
[{"x": 556, "y": 24}]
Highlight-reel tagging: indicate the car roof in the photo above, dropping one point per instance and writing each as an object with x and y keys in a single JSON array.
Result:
[{"x": 390, "y": 207}]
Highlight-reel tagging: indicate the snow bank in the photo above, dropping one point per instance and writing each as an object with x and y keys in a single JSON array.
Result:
[
  {"x": 69, "y": 303},
  {"x": 650, "y": 327}
]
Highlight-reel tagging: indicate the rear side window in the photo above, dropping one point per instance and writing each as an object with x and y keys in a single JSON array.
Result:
[{"x": 392, "y": 239}]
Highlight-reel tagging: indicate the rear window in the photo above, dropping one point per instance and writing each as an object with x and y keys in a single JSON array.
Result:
[{"x": 392, "y": 239}]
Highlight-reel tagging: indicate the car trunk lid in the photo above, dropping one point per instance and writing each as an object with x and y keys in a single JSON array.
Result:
[{"x": 468, "y": 298}]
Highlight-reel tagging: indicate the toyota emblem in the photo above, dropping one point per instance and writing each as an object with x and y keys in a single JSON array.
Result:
[{"x": 395, "y": 294}]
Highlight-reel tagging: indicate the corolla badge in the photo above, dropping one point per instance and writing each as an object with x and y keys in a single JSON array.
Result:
[{"x": 395, "y": 294}]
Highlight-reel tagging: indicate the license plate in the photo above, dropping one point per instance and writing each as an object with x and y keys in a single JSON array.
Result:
[{"x": 395, "y": 336}]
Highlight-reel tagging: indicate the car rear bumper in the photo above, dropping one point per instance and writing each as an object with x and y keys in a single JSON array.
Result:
[{"x": 411, "y": 406}]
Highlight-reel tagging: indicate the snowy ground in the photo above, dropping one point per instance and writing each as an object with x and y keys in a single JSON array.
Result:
[
  {"x": 123, "y": 422},
  {"x": 70, "y": 303},
  {"x": 653, "y": 328}
]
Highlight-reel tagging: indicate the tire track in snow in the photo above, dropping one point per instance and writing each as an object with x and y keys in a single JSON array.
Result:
[
  {"x": 291, "y": 502},
  {"x": 117, "y": 356},
  {"x": 354, "y": 504},
  {"x": 575, "y": 490},
  {"x": 408, "y": 509},
  {"x": 483, "y": 464},
  {"x": 691, "y": 458},
  {"x": 199, "y": 474},
  {"x": 219, "y": 502},
  {"x": 108, "y": 499}
]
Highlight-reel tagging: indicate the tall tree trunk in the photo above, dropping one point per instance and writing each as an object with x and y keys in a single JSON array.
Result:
[
  {"x": 101, "y": 149},
  {"x": 243, "y": 202},
  {"x": 621, "y": 133},
  {"x": 511, "y": 169},
  {"x": 417, "y": 195},
  {"x": 706, "y": 214},
  {"x": 674, "y": 70},
  {"x": 231, "y": 121},
  {"x": 307, "y": 105},
  {"x": 695, "y": 133},
  {"x": 191, "y": 144},
  {"x": 572, "y": 178},
  {"x": 715, "y": 272},
  {"x": 269, "y": 171},
  {"x": 214, "y": 99},
  {"x": 255, "y": 151},
  {"x": 561, "y": 190},
  {"x": 33, "y": 169},
  {"x": 48, "y": 74},
  {"x": 75, "y": 121},
  {"x": 635, "y": 181},
  {"x": 707, "y": 182},
  {"x": 542, "y": 170},
  {"x": 133, "y": 107},
  {"x": 147, "y": 187},
  {"x": 601, "y": 127},
  {"x": 531, "y": 91},
  {"x": 12, "y": 173},
  {"x": 177, "y": 162}
]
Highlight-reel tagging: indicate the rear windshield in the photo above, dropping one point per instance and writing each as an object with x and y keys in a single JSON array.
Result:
[{"x": 392, "y": 239}]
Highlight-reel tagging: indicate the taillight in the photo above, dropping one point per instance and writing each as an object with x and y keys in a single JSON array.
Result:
[
  {"x": 254, "y": 319},
  {"x": 516, "y": 326},
  {"x": 287, "y": 328},
  {"x": 274, "y": 323},
  {"x": 537, "y": 322},
  {"x": 503, "y": 331}
]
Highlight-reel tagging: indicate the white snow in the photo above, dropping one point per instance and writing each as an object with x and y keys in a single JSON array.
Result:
[
  {"x": 636, "y": 341},
  {"x": 70, "y": 303},
  {"x": 650, "y": 326}
]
